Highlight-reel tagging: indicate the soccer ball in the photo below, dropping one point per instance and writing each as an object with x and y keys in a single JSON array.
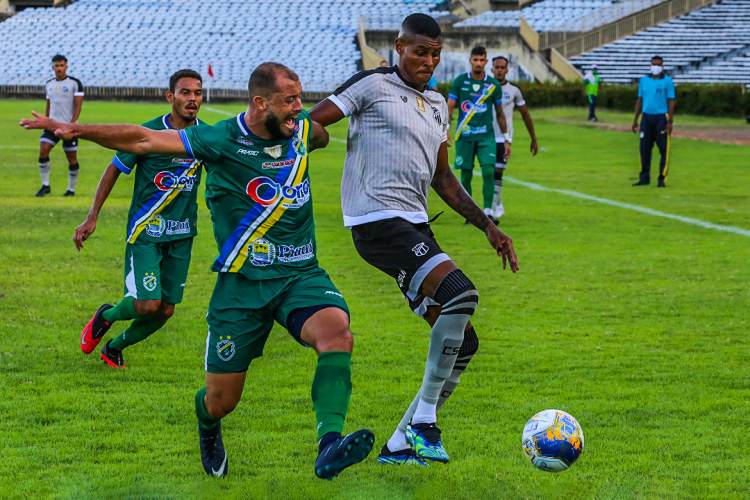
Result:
[{"x": 552, "y": 440}]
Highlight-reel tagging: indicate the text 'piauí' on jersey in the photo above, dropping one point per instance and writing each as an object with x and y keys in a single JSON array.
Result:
[
  {"x": 164, "y": 206},
  {"x": 258, "y": 192},
  {"x": 475, "y": 98}
]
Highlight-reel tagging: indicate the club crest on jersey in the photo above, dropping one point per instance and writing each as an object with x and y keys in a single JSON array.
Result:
[
  {"x": 420, "y": 104},
  {"x": 459, "y": 160},
  {"x": 225, "y": 348},
  {"x": 155, "y": 226},
  {"x": 299, "y": 147},
  {"x": 244, "y": 141},
  {"x": 420, "y": 249},
  {"x": 273, "y": 151},
  {"x": 167, "y": 180},
  {"x": 404, "y": 98},
  {"x": 149, "y": 282},
  {"x": 261, "y": 252},
  {"x": 267, "y": 191}
]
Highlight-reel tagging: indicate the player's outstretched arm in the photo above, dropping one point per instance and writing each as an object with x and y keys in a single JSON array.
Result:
[
  {"x": 447, "y": 186},
  {"x": 326, "y": 113},
  {"x": 319, "y": 137},
  {"x": 106, "y": 183},
  {"x": 530, "y": 127},
  {"x": 125, "y": 138}
]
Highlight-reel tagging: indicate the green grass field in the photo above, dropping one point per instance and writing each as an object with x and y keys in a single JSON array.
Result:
[{"x": 635, "y": 324}]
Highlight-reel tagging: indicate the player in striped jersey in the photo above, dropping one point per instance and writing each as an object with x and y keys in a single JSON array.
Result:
[{"x": 162, "y": 221}]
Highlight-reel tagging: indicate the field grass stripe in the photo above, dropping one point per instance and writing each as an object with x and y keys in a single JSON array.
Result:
[
  {"x": 220, "y": 111},
  {"x": 657, "y": 213}
]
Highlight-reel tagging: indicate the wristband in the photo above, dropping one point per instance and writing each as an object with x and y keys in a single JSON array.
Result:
[{"x": 506, "y": 136}]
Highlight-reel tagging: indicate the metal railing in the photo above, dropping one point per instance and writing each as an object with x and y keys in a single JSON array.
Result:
[{"x": 585, "y": 42}]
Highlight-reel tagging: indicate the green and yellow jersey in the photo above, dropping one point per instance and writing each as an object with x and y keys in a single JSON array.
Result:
[
  {"x": 164, "y": 206},
  {"x": 258, "y": 192},
  {"x": 475, "y": 99}
]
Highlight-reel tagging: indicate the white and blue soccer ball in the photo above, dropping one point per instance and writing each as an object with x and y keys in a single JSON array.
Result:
[{"x": 552, "y": 440}]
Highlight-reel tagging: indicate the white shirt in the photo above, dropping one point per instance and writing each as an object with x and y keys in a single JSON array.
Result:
[{"x": 512, "y": 96}]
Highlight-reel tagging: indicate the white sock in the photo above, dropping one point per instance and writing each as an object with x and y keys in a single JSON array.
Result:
[
  {"x": 426, "y": 413},
  {"x": 73, "y": 178},
  {"x": 398, "y": 441},
  {"x": 44, "y": 168},
  {"x": 488, "y": 212}
]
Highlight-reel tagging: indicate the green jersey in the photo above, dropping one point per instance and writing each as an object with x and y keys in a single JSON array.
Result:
[
  {"x": 475, "y": 99},
  {"x": 258, "y": 192},
  {"x": 164, "y": 206}
]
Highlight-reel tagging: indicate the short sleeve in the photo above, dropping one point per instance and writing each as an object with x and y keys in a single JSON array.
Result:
[
  {"x": 670, "y": 89},
  {"x": 125, "y": 162},
  {"x": 455, "y": 87},
  {"x": 78, "y": 92},
  {"x": 356, "y": 93},
  {"x": 497, "y": 96},
  {"x": 519, "y": 100},
  {"x": 203, "y": 141},
  {"x": 640, "y": 88}
]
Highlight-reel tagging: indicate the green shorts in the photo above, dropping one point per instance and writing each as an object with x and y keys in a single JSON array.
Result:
[
  {"x": 157, "y": 271},
  {"x": 482, "y": 149},
  {"x": 242, "y": 311}
]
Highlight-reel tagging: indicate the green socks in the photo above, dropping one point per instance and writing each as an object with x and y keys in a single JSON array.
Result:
[
  {"x": 466, "y": 176},
  {"x": 488, "y": 185},
  {"x": 138, "y": 330},
  {"x": 331, "y": 390},
  {"x": 122, "y": 311},
  {"x": 204, "y": 419}
]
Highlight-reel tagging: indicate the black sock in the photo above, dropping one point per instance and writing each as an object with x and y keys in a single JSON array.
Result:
[{"x": 327, "y": 439}]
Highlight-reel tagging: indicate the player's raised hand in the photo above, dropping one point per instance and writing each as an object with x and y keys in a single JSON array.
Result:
[
  {"x": 83, "y": 232},
  {"x": 61, "y": 130},
  {"x": 534, "y": 148},
  {"x": 503, "y": 244}
]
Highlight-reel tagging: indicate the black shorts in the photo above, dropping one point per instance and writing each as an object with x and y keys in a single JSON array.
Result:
[
  {"x": 500, "y": 162},
  {"x": 49, "y": 137},
  {"x": 404, "y": 251}
]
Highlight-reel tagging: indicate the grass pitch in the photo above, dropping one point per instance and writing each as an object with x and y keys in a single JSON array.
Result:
[{"x": 635, "y": 324}]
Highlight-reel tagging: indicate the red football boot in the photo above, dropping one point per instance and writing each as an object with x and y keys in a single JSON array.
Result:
[{"x": 95, "y": 330}]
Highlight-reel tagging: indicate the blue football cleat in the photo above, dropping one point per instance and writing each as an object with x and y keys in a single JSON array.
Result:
[
  {"x": 344, "y": 452},
  {"x": 213, "y": 454},
  {"x": 426, "y": 443},
  {"x": 400, "y": 457}
]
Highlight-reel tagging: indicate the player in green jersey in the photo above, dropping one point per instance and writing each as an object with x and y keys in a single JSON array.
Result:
[
  {"x": 162, "y": 222},
  {"x": 258, "y": 191},
  {"x": 475, "y": 134}
]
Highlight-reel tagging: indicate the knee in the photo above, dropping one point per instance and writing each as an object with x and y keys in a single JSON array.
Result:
[
  {"x": 456, "y": 294},
  {"x": 219, "y": 406},
  {"x": 340, "y": 339},
  {"x": 164, "y": 312},
  {"x": 470, "y": 344},
  {"x": 147, "y": 307}
]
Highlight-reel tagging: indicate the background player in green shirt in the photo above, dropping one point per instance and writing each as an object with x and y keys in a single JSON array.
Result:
[
  {"x": 258, "y": 191},
  {"x": 162, "y": 222},
  {"x": 475, "y": 134}
]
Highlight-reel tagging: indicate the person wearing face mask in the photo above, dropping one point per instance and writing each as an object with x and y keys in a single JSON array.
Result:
[
  {"x": 592, "y": 80},
  {"x": 656, "y": 99}
]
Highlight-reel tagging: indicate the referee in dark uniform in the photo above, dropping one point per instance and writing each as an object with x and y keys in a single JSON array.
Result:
[{"x": 656, "y": 100}]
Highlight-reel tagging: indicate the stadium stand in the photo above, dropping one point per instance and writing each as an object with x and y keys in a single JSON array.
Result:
[
  {"x": 708, "y": 45},
  {"x": 542, "y": 16},
  {"x": 139, "y": 43}
]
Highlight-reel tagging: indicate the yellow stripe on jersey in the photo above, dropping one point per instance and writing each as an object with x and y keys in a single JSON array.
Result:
[
  {"x": 485, "y": 94},
  {"x": 160, "y": 206},
  {"x": 267, "y": 224}
]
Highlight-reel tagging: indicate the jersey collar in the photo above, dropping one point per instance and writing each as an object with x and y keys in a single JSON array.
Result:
[
  {"x": 165, "y": 121},
  {"x": 472, "y": 78},
  {"x": 241, "y": 123}
]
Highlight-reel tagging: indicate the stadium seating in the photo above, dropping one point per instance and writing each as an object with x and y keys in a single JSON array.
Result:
[
  {"x": 139, "y": 43},
  {"x": 708, "y": 45},
  {"x": 542, "y": 16}
]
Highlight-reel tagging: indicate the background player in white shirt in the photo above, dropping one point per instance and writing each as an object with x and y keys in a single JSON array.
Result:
[
  {"x": 64, "y": 100},
  {"x": 512, "y": 96}
]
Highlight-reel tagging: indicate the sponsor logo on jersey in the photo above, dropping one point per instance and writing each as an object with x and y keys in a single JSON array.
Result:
[
  {"x": 466, "y": 130},
  {"x": 420, "y": 104},
  {"x": 400, "y": 279},
  {"x": 167, "y": 180},
  {"x": 178, "y": 227},
  {"x": 329, "y": 292},
  {"x": 290, "y": 253},
  {"x": 420, "y": 249},
  {"x": 149, "y": 282},
  {"x": 64, "y": 89},
  {"x": 296, "y": 195},
  {"x": 245, "y": 142},
  {"x": 466, "y": 82},
  {"x": 436, "y": 115},
  {"x": 278, "y": 164},
  {"x": 248, "y": 152},
  {"x": 183, "y": 160},
  {"x": 225, "y": 350},
  {"x": 404, "y": 98},
  {"x": 273, "y": 151},
  {"x": 467, "y": 106},
  {"x": 155, "y": 226},
  {"x": 506, "y": 96},
  {"x": 262, "y": 252}
]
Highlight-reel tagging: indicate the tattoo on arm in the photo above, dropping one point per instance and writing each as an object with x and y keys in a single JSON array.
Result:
[{"x": 447, "y": 186}]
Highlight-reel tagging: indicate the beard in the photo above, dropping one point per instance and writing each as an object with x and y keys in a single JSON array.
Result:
[{"x": 273, "y": 125}]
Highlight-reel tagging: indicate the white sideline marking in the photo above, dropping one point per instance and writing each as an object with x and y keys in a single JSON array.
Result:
[
  {"x": 337, "y": 139},
  {"x": 689, "y": 220},
  {"x": 220, "y": 111}
]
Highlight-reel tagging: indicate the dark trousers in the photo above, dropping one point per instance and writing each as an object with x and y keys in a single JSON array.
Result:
[
  {"x": 654, "y": 130},
  {"x": 592, "y": 106}
]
